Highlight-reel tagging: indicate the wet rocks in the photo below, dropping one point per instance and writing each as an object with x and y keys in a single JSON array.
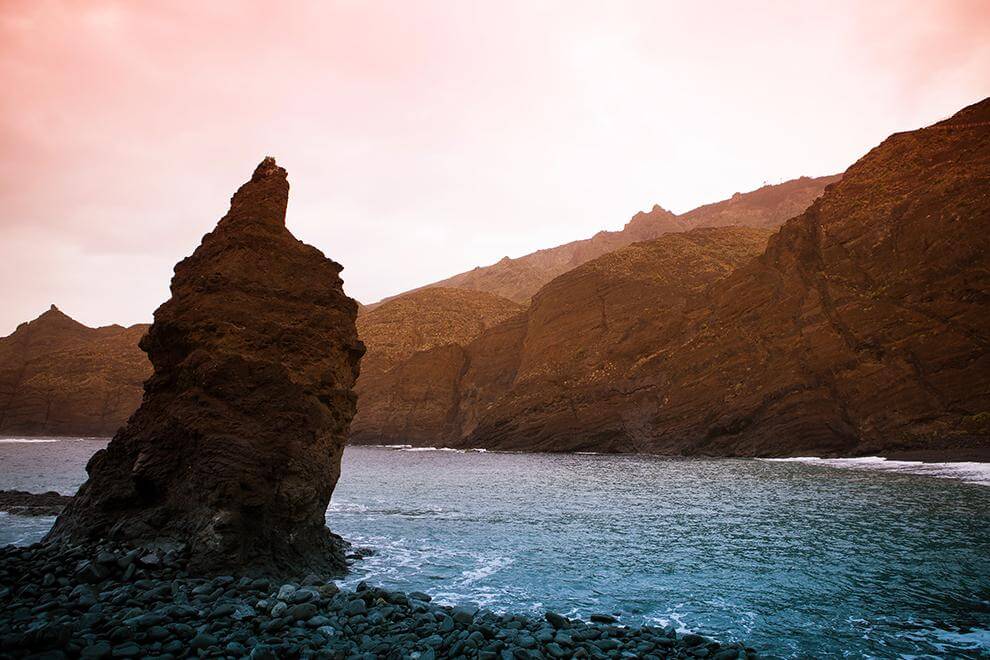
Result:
[
  {"x": 22, "y": 503},
  {"x": 236, "y": 449},
  {"x": 162, "y": 610}
]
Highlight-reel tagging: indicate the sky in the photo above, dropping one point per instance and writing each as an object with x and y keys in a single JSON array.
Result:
[{"x": 425, "y": 138}]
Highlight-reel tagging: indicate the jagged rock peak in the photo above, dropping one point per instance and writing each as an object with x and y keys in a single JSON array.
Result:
[
  {"x": 268, "y": 167},
  {"x": 262, "y": 200}
]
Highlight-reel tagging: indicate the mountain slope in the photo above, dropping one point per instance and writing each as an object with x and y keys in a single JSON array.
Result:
[
  {"x": 581, "y": 329},
  {"x": 59, "y": 377},
  {"x": 518, "y": 279},
  {"x": 863, "y": 328},
  {"x": 436, "y": 319}
]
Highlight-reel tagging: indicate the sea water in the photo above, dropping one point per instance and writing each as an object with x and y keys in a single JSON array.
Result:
[{"x": 800, "y": 558}]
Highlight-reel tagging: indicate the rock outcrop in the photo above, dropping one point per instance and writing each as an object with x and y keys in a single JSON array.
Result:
[
  {"x": 59, "y": 377},
  {"x": 519, "y": 279},
  {"x": 23, "y": 503},
  {"x": 236, "y": 448}
]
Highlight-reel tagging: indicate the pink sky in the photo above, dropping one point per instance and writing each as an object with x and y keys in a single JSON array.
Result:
[{"x": 425, "y": 138}]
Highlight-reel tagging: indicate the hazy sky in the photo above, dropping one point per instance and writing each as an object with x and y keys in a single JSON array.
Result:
[{"x": 424, "y": 138}]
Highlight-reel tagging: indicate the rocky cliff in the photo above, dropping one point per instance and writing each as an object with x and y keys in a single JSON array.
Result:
[
  {"x": 78, "y": 390},
  {"x": 436, "y": 320},
  {"x": 59, "y": 377},
  {"x": 236, "y": 448},
  {"x": 519, "y": 279},
  {"x": 580, "y": 331},
  {"x": 863, "y": 328}
]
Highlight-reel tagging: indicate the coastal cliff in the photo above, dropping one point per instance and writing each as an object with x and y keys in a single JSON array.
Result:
[
  {"x": 860, "y": 328},
  {"x": 235, "y": 450},
  {"x": 428, "y": 327},
  {"x": 59, "y": 377},
  {"x": 90, "y": 381}
]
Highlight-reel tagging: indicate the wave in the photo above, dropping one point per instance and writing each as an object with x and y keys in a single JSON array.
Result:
[
  {"x": 459, "y": 451},
  {"x": 28, "y": 440},
  {"x": 971, "y": 472}
]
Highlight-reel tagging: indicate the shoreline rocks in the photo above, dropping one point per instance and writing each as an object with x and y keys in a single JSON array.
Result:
[
  {"x": 117, "y": 601},
  {"x": 23, "y": 503}
]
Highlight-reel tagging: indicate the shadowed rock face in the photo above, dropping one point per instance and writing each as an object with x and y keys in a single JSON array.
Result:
[
  {"x": 236, "y": 448},
  {"x": 59, "y": 377}
]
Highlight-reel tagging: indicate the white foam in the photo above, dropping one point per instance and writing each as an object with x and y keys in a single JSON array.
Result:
[
  {"x": 971, "y": 472},
  {"x": 459, "y": 451},
  {"x": 28, "y": 440}
]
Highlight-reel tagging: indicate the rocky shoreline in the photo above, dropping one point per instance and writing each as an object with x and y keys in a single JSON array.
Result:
[
  {"x": 23, "y": 503},
  {"x": 61, "y": 601}
]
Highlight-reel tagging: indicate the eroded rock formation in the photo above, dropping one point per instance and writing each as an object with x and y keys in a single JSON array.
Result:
[
  {"x": 59, "y": 377},
  {"x": 236, "y": 447}
]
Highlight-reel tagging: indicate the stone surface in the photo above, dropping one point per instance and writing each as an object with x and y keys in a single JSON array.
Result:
[
  {"x": 437, "y": 320},
  {"x": 59, "y": 377},
  {"x": 22, "y": 503},
  {"x": 235, "y": 451}
]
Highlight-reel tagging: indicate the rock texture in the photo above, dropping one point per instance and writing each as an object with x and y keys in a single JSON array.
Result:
[
  {"x": 59, "y": 377},
  {"x": 863, "y": 328},
  {"x": 519, "y": 279},
  {"x": 236, "y": 448},
  {"x": 439, "y": 321}
]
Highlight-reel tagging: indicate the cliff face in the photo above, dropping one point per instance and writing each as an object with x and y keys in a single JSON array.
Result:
[
  {"x": 519, "y": 279},
  {"x": 553, "y": 367},
  {"x": 430, "y": 326},
  {"x": 236, "y": 447},
  {"x": 862, "y": 328},
  {"x": 586, "y": 334},
  {"x": 59, "y": 377}
]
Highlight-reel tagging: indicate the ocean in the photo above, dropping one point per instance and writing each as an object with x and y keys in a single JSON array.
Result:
[{"x": 798, "y": 557}]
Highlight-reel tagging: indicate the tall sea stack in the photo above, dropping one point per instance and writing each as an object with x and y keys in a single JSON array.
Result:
[{"x": 236, "y": 447}]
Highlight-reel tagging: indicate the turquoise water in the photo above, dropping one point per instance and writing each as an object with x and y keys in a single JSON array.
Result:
[{"x": 799, "y": 558}]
